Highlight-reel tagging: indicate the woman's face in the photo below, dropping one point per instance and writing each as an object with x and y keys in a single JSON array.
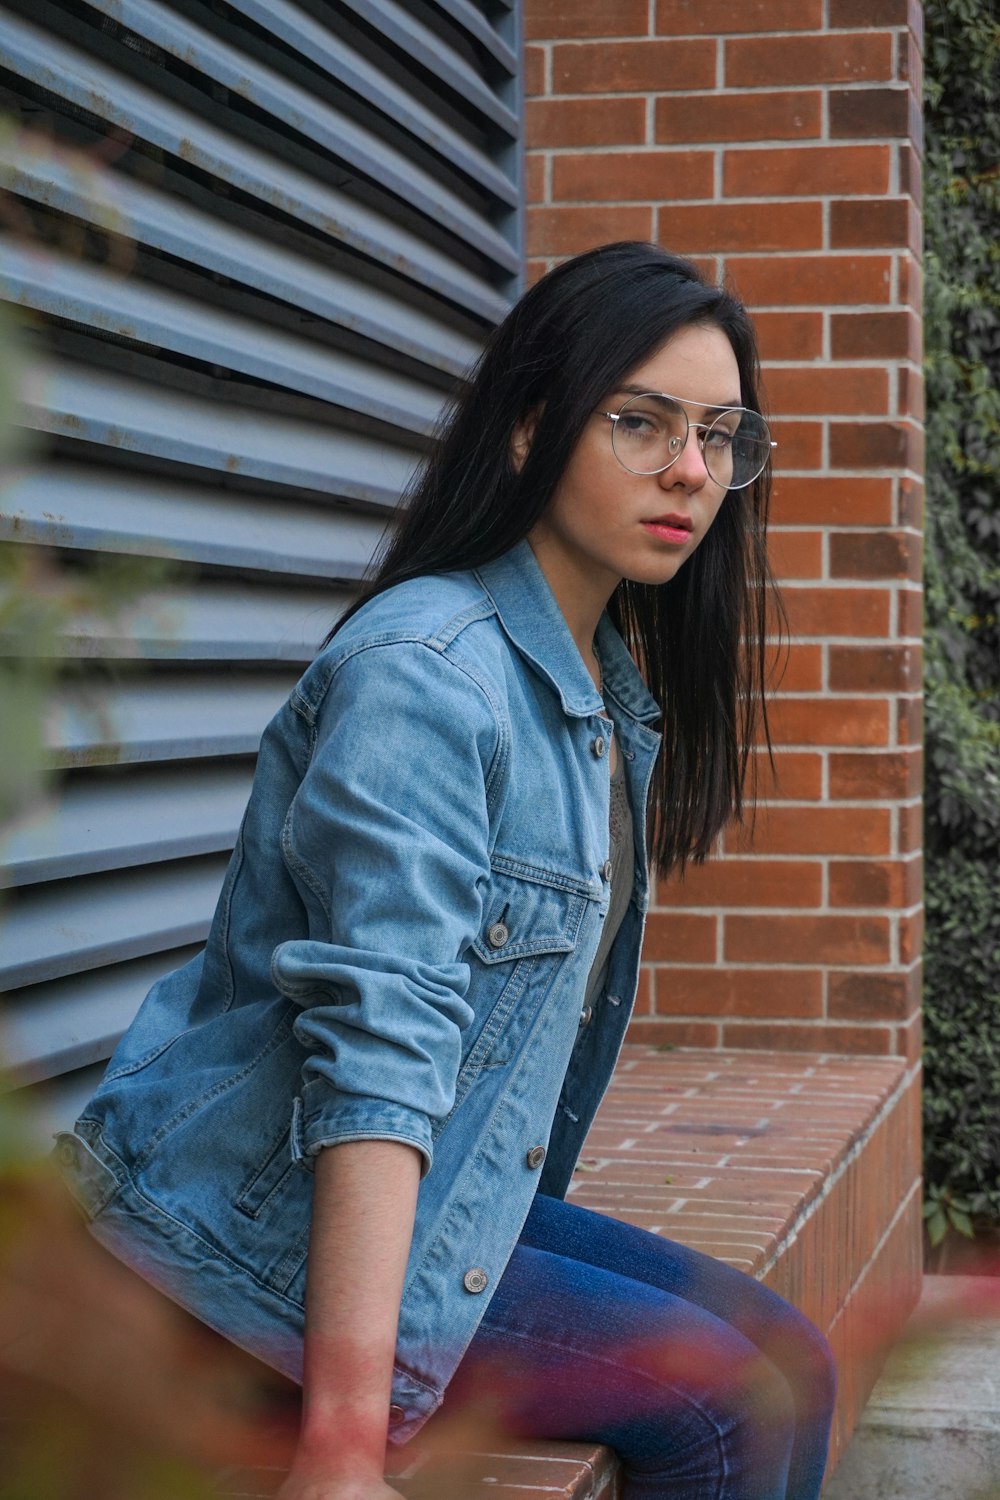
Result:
[{"x": 604, "y": 523}]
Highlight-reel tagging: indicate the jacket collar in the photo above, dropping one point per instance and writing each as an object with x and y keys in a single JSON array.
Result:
[{"x": 527, "y": 609}]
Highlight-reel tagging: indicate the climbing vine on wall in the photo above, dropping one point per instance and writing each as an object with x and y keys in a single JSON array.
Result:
[{"x": 962, "y": 989}]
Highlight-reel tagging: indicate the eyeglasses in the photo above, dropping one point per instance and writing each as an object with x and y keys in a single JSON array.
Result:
[{"x": 650, "y": 431}]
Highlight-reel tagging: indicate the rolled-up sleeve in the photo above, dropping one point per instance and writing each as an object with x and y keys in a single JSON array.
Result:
[{"x": 388, "y": 841}]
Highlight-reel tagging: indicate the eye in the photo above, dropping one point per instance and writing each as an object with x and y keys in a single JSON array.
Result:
[
  {"x": 719, "y": 439},
  {"x": 638, "y": 424}
]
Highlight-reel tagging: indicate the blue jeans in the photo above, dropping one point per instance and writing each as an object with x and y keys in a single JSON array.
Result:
[{"x": 708, "y": 1386}]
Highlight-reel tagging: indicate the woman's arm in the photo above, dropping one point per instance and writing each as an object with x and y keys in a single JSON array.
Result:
[{"x": 363, "y": 1211}]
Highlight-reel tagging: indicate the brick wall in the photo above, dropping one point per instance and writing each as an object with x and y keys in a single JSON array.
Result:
[{"x": 777, "y": 143}]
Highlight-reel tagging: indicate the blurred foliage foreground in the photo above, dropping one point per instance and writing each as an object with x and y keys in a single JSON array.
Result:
[{"x": 962, "y": 329}]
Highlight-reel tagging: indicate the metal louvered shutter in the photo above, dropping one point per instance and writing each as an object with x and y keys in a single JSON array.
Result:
[{"x": 258, "y": 242}]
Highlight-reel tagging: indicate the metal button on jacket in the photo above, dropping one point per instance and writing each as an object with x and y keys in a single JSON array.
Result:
[
  {"x": 66, "y": 1152},
  {"x": 475, "y": 1279},
  {"x": 607, "y": 869},
  {"x": 498, "y": 934},
  {"x": 535, "y": 1157},
  {"x": 586, "y": 1014},
  {"x": 396, "y": 1415},
  {"x": 599, "y": 746}
]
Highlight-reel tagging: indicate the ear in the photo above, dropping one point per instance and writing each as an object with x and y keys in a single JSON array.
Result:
[{"x": 523, "y": 436}]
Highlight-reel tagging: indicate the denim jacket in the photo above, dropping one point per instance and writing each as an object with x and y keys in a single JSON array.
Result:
[{"x": 399, "y": 952}]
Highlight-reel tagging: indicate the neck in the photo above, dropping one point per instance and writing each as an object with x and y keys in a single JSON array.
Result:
[{"x": 581, "y": 594}]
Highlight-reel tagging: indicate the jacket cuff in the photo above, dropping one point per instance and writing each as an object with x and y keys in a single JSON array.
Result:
[{"x": 330, "y": 1117}]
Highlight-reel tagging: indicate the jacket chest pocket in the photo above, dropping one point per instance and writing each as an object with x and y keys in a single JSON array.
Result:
[{"x": 530, "y": 924}]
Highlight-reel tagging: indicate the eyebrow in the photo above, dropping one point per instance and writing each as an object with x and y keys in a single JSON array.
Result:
[{"x": 642, "y": 390}]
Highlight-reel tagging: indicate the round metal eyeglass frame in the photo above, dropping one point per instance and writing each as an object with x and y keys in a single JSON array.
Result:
[{"x": 677, "y": 444}]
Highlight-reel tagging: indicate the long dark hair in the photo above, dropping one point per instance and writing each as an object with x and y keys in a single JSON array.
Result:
[{"x": 699, "y": 639}]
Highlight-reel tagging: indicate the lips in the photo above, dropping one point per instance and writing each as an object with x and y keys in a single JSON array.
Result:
[
  {"x": 672, "y": 522},
  {"x": 672, "y": 529}
]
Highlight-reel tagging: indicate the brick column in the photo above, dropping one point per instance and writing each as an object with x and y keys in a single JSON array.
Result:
[{"x": 777, "y": 143}]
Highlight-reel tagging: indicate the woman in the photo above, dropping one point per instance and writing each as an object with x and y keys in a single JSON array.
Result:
[{"x": 381, "y": 1069}]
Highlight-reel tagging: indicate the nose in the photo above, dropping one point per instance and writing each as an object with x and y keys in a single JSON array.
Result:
[{"x": 688, "y": 469}]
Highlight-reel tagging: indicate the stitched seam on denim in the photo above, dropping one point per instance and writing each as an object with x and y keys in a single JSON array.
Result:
[
  {"x": 279, "y": 1036},
  {"x": 258, "y": 1172},
  {"x": 507, "y": 864}
]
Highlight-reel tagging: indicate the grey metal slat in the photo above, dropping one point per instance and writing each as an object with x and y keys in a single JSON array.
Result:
[
  {"x": 143, "y": 818},
  {"x": 476, "y": 25},
  {"x": 320, "y": 123},
  {"x": 54, "y": 1106},
  {"x": 111, "y": 96},
  {"x": 121, "y": 413},
  {"x": 71, "y": 183},
  {"x": 348, "y": 67},
  {"x": 111, "y": 511},
  {"x": 67, "y": 1024},
  {"x": 419, "y": 42},
  {"x": 65, "y": 288},
  {"x": 207, "y": 622},
  {"x": 57, "y": 930},
  {"x": 167, "y": 718}
]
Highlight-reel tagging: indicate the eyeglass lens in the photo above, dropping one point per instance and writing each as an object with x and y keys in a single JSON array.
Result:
[{"x": 651, "y": 432}]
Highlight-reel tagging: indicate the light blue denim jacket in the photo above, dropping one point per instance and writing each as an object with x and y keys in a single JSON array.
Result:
[{"x": 399, "y": 953}]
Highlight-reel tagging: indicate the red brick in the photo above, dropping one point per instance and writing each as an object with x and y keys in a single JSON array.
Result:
[
  {"x": 876, "y": 445},
  {"x": 830, "y": 721},
  {"x": 823, "y": 499},
  {"x": 875, "y": 554},
  {"x": 910, "y": 1039},
  {"x": 730, "y": 117},
  {"x": 628, "y": 67},
  {"x": 799, "y": 670},
  {"x": 910, "y": 828},
  {"x": 796, "y": 554},
  {"x": 818, "y": 830},
  {"x": 808, "y": 1038},
  {"x": 715, "y": 991},
  {"x": 566, "y": 231},
  {"x": 554, "y": 19},
  {"x": 800, "y": 444},
  {"x": 875, "y": 335},
  {"x": 868, "y": 12},
  {"x": 534, "y": 178},
  {"x": 662, "y": 1033},
  {"x": 864, "y": 391},
  {"x": 911, "y": 64},
  {"x": 911, "y": 282},
  {"x": 910, "y": 612},
  {"x": 875, "y": 669},
  {"x": 790, "y": 335},
  {"x": 679, "y": 936},
  {"x": 862, "y": 882},
  {"x": 911, "y": 403},
  {"x": 812, "y": 280},
  {"x": 534, "y": 270},
  {"x": 799, "y": 776},
  {"x": 622, "y": 175},
  {"x": 826, "y": 612},
  {"x": 754, "y": 62},
  {"x": 811, "y": 171},
  {"x": 745, "y": 882},
  {"x": 687, "y": 17},
  {"x": 743, "y": 226},
  {"x": 911, "y": 173},
  {"x": 877, "y": 113},
  {"x": 857, "y": 777},
  {"x": 862, "y": 224},
  {"x": 534, "y": 70},
  {"x": 585, "y": 122},
  {"x": 857, "y": 996},
  {"x": 910, "y": 720},
  {"x": 911, "y": 937}
]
